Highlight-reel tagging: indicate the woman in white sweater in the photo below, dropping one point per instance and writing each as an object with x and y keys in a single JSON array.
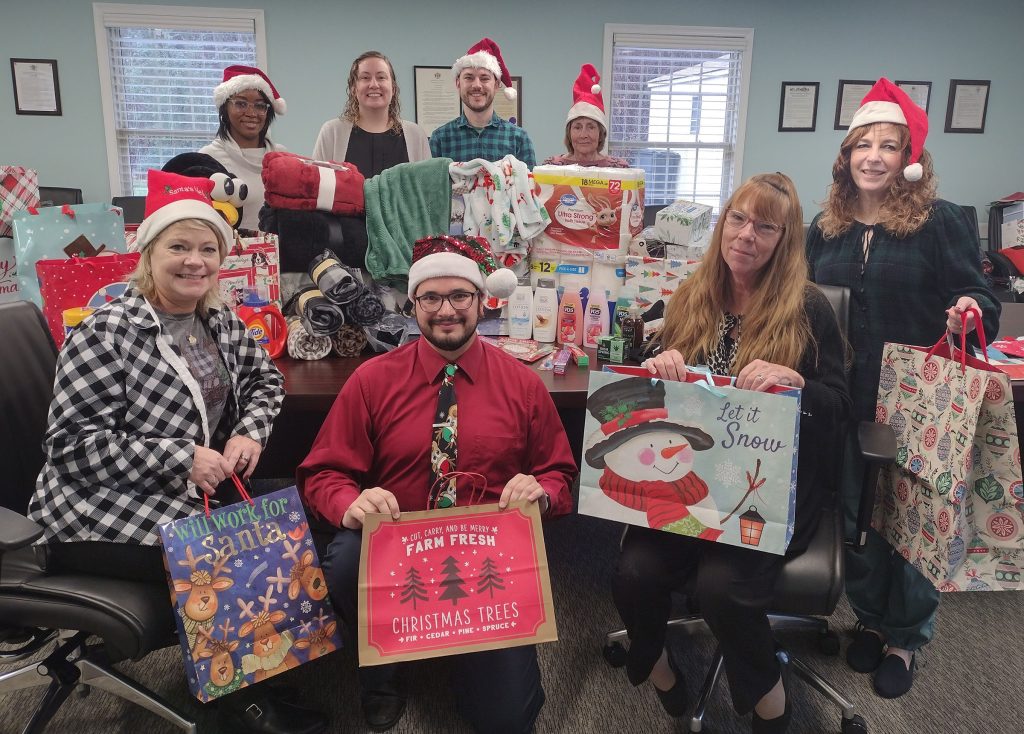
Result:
[
  {"x": 370, "y": 133},
  {"x": 247, "y": 104}
]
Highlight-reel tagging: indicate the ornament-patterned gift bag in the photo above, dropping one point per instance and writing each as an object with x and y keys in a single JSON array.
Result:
[
  {"x": 253, "y": 262},
  {"x": 953, "y": 502}
]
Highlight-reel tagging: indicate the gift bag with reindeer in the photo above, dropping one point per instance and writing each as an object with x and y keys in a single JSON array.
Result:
[
  {"x": 696, "y": 457},
  {"x": 249, "y": 595},
  {"x": 953, "y": 502}
]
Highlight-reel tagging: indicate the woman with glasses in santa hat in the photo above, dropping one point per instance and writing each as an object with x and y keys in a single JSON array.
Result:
[{"x": 912, "y": 264}]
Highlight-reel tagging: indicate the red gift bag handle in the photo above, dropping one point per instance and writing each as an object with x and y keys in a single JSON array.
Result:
[
  {"x": 948, "y": 337},
  {"x": 241, "y": 490}
]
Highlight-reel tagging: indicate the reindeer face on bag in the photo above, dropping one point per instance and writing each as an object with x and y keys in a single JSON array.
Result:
[
  {"x": 318, "y": 641},
  {"x": 304, "y": 575},
  {"x": 271, "y": 650},
  {"x": 202, "y": 586},
  {"x": 219, "y": 653}
]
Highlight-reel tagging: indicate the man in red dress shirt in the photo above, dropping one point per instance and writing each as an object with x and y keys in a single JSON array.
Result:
[{"x": 374, "y": 455}]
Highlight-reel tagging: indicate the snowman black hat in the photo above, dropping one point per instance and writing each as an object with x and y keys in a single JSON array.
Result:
[{"x": 632, "y": 407}]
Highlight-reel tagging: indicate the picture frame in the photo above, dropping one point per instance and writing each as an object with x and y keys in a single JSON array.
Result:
[
  {"x": 511, "y": 110},
  {"x": 918, "y": 92},
  {"x": 437, "y": 99},
  {"x": 36, "y": 87},
  {"x": 851, "y": 92},
  {"x": 967, "y": 105},
  {"x": 798, "y": 107}
]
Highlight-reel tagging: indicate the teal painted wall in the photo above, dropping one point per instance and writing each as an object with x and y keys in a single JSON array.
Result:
[{"x": 311, "y": 44}]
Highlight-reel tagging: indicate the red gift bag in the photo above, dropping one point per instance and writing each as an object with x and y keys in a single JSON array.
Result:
[{"x": 81, "y": 281}]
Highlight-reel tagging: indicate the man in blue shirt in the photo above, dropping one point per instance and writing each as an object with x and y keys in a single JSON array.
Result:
[{"x": 478, "y": 132}]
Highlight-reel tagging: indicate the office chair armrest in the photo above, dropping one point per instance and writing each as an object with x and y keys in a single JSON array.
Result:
[
  {"x": 16, "y": 530},
  {"x": 876, "y": 443}
]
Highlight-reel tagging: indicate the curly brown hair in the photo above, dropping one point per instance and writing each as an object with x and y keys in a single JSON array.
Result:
[
  {"x": 351, "y": 112},
  {"x": 907, "y": 205}
]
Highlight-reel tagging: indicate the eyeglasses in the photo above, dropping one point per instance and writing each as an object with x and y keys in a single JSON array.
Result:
[
  {"x": 738, "y": 220},
  {"x": 242, "y": 105},
  {"x": 432, "y": 302}
]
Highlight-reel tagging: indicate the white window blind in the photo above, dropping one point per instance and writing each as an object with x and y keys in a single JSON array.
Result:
[
  {"x": 677, "y": 107},
  {"x": 158, "y": 68}
]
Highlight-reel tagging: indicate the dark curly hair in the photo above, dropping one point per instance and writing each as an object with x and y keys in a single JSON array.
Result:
[{"x": 224, "y": 128}]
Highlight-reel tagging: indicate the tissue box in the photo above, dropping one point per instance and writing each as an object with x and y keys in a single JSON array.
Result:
[
  {"x": 591, "y": 209},
  {"x": 682, "y": 222},
  {"x": 647, "y": 244}
]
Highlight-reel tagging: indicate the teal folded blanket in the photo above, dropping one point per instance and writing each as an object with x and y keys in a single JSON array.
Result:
[{"x": 403, "y": 204}]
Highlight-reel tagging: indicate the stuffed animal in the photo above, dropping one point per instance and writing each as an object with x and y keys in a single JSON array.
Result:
[{"x": 229, "y": 192}]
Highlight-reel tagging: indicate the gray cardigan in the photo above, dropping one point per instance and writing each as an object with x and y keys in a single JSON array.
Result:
[{"x": 332, "y": 142}]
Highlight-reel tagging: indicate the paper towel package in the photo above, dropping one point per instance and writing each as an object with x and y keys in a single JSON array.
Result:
[
  {"x": 682, "y": 222},
  {"x": 591, "y": 209}
]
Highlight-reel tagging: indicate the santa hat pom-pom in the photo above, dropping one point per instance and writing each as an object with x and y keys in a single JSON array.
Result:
[
  {"x": 913, "y": 172},
  {"x": 501, "y": 283},
  {"x": 510, "y": 93},
  {"x": 596, "y": 89},
  {"x": 280, "y": 107}
]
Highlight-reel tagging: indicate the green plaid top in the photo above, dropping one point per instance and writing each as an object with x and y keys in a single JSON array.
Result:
[
  {"x": 900, "y": 293},
  {"x": 462, "y": 142}
]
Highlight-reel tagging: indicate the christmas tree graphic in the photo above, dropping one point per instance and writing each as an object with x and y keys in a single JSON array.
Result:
[
  {"x": 490, "y": 579},
  {"x": 453, "y": 583},
  {"x": 413, "y": 588}
]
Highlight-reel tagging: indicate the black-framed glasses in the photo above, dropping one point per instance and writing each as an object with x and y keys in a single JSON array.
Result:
[
  {"x": 241, "y": 105},
  {"x": 432, "y": 302},
  {"x": 738, "y": 220}
]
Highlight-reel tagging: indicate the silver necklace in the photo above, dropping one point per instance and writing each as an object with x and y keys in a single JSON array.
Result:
[{"x": 191, "y": 336}]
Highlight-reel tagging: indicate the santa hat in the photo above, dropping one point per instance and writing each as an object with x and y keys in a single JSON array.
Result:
[
  {"x": 445, "y": 256},
  {"x": 586, "y": 97},
  {"x": 888, "y": 103},
  {"x": 172, "y": 198},
  {"x": 485, "y": 54},
  {"x": 239, "y": 78}
]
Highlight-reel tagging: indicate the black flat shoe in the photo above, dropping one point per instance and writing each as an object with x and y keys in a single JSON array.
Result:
[
  {"x": 382, "y": 710},
  {"x": 268, "y": 716},
  {"x": 894, "y": 678},
  {"x": 866, "y": 651},
  {"x": 675, "y": 700}
]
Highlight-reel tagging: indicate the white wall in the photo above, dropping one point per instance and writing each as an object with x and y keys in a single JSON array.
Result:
[{"x": 311, "y": 44}]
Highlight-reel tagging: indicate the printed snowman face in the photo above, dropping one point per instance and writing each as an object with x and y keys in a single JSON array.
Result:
[{"x": 662, "y": 456}]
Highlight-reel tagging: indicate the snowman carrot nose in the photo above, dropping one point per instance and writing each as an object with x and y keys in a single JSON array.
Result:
[{"x": 670, "y": 451}]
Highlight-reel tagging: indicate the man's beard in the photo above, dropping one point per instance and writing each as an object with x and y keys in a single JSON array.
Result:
[{"x": 449, "y": 342}]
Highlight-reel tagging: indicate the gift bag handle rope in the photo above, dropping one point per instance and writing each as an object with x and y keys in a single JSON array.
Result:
[
  {"x": 241, "y": 490},
  {"x": 948, "y": 337}
]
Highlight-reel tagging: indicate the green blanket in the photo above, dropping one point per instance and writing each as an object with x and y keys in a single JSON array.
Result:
[{"x": 403, "y": 204}]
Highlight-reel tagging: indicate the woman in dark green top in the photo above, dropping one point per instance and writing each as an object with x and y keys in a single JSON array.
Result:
[{"x": 912, "y": 264}]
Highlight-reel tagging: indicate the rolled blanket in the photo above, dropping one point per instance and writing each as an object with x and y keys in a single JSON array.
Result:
[
  {"x": 349, "y": 341},
  {"x": 302, "y": 345},
  {"x": 319, "y": 315},
  {"x": 333, "y": 279},
  {"x": 295, "y": 182},
  {"x": 303, "y": 234},
  {"x": 367, "y": 309}
]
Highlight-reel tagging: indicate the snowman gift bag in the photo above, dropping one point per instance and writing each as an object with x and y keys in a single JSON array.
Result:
[
  {"x": 697, "y": 458},
  {"x": 953, "y": 502}
]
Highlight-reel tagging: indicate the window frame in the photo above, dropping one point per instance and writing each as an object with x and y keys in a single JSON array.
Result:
[
  {"x": 727, "y": 38},
  {"x": 155, "y": 16}
]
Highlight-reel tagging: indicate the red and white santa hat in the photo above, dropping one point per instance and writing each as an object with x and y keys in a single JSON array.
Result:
[
  {"x": 485, "y": 54},
  {"x": 445, "y": 256},
  {"x": 586, "y": 97},
  {"x": 172, "y": 198},
  {"x": 240, "y": 78},
  {"x": 886, "y": 102}
]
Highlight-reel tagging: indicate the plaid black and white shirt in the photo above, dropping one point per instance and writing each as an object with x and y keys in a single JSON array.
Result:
[{"x": 126, "y": 416}]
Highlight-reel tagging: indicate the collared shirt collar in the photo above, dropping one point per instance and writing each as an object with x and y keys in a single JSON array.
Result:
[
  {"x": 464, "y": 121},
  {"x": 470, "y": 363}
]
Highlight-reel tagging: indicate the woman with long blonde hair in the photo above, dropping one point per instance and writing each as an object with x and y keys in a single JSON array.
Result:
[
  {"x": 750, "y": 312},
  {"x": 912, "y": 264}
]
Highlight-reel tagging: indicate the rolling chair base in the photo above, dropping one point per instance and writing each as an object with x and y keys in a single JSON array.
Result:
[
  {"x": 851, "y": 723},
  {"x": 76, "y": 665}
]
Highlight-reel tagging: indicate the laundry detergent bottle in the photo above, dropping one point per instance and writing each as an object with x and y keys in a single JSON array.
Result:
[{"x": 264, "y": 322}]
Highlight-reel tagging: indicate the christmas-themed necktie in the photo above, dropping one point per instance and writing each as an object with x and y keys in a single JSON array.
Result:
[{"x": 443, "y": 450}]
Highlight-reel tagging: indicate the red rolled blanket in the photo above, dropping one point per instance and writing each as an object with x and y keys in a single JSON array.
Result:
[{"x": 295, "y": 182}]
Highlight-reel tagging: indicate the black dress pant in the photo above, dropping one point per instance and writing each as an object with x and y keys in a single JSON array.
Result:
[
  {"x": 496, "y": 691},
  {"x": 733, "y": 587}
]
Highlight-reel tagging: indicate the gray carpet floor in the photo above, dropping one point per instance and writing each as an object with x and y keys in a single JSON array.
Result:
[{"x": 969, "y": 679}]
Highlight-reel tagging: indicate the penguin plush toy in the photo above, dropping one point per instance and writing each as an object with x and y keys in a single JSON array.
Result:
[{"x": 229, "y": 193}]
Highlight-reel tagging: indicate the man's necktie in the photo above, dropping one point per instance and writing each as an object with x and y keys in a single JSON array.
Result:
[{"x": 443, "y": 450}]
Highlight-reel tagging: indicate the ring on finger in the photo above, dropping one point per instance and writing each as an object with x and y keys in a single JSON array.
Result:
[
  {"x": 759, "y": 378},
  {"x": 244, "y": 458}
]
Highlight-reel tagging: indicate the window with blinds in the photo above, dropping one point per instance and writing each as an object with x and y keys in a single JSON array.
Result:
[
  {"x": 158, "y": 68},
  {"x": 676, "y": 98}
]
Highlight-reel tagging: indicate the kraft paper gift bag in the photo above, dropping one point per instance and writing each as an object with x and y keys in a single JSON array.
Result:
[
  {"x": 55, "y": 232},
  {"x": 249, "y": 595},
  {"x": 953, "y": 503},
  {"x": 693, "y": 458},
  {"x": 452, "y": 581},
  {"x": 253, "y": 262}
]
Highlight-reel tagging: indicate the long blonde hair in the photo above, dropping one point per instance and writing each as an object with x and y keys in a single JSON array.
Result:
[
  {"x": 351, "y": 112},
  {"x": 142, "y": 277},
  {"x": 907, "y": 205},
  {"x": 774, "y": 326}
]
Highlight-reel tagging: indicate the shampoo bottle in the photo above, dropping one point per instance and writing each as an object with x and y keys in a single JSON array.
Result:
[
  {"x": 595, "y": 320},
  {"x": 520, "y": 310},
  {"x": 545, "y": 310},
  {"x": 570, "y": 318}
]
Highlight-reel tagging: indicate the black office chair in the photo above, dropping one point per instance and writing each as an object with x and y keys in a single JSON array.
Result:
[
  {"x": 134, "y": 208},
  {"x": 810, "y": 585},
  {"x": 60, "y": 613},
  {"x": 59, "y": 195}
]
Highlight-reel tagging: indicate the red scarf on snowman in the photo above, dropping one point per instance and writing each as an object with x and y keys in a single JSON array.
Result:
[{"x": 664, "y": 502}]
